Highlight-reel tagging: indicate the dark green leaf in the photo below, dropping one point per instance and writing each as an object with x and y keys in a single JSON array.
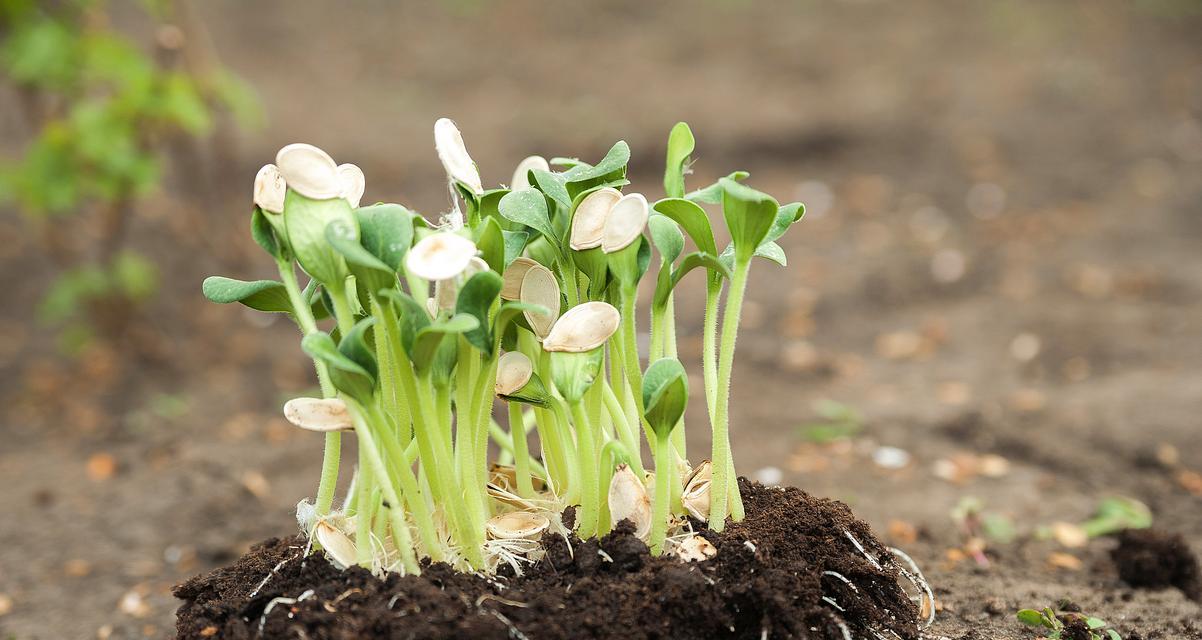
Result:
[
  {"x": 261, "y": 295},
  {"x": 343, "y": 237},
  {"x": 305, "y": 221},
  {"x": 749, "y": 215},
  {"x": 475, "y": 299},
  {"x": 786, "y": 216},
  {"x": 666, "y": 236},
  {"x": 665, "y": 394},
  {"x": 386, "y": 231},
  {"x": 528, "y": 207},
  {"x": 346, "y": 374},
  {"x": 553, "y": 185},
  {"x": 429, "y": 339},
  {"x": 491, "y": 243},
  {"x": 692, "y": 219},
  {"x": 354, "y": 346},
  {"x": 612, "y": 167},
  {"x": 690, "y": 262},
  {"x": 264, "y": 235},
  {"x": 413, "y": 318},
  {"x": 515, "y": 244}
]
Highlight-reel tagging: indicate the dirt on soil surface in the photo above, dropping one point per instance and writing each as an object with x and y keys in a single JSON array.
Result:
[
  {"x": 999, "y": 275},
  {"x": 769, "y": 576},
  {"x": 1156, "y": 560}
]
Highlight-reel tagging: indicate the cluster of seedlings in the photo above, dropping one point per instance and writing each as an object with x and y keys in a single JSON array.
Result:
[
  {"x": 1069, "y": 625},
  {"x": 526, "y": 294}
]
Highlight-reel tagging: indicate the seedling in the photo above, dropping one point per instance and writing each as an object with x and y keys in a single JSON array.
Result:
[
  {"x": 524, "y": 294},
  {"x": 1056, "y": 627}
]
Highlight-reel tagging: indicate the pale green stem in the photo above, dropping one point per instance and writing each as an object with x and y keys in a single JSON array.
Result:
[
  {"x": 402, "y": 469},
  {"x": 625, "y": 433},
  {"x": 587, "y": 519},
  {"x": 333, "y": 441},
  {"x": 723, "y": 466},
  {"x": 400, "y": 530},
  {"x": 521, "y": 454},
  {"x": 663, "y": 493}
]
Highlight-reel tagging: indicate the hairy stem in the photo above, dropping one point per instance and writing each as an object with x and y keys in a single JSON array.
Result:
[{"x": 723, "y": 466}]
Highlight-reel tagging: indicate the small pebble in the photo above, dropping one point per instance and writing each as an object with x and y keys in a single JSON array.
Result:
[
  {"x": 1025, "y": 347},
  {"x": 948, "y": 266}
]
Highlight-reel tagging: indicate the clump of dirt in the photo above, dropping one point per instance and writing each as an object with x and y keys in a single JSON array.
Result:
[
  {"x": 1148, "y": 558},
  {"x": 771, "y": 575}
]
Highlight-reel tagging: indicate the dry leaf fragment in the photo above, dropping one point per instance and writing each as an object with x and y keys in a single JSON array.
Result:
[
  {"x": 1067, "y": 561},
  {"x": 101, "y": 466}
]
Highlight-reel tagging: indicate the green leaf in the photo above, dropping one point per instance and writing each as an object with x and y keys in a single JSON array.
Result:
[
  {"x": 713, "y": 193},
  {"x": 490, "y": 240},
  {"x": 665, "y": 395},
  {"x": 265, "y": 236},
  {"x": 413, "y": 317},
  {"x": 429, "y": 339},
  {"x": 354, "y": 346},
  {"x": 690, "y": 262},
  {"x": 573, "y": 373},
  {"x": 692, "y": 219},
  {"x": 749, "y": 216},
  {"x": 261, "y": 295},
  {"x": 1030, "y": 617},
  {"x": 1113, "y": 635},
  {"x": 1117, "y": 513},
  {"x": 528, "y": 207},
  {"x": 515, "y": 244},
  {"x": 344, "y": 238},
  {"x": 680, "y": 147},
  {"x": 786, "y": 217},
  {"x": 346, "y": 374},
  {"x": 386, "y": 231},
  {"x": 611, "y": 168},
  {"x": 553, "y": 185},
  {"x": 488, "y": 203},
  {"x": 305, "y": 221},
  {"x": 666, "y": 236},
  {"x": 511, "y": 311},
  {"x": 1094, "y": 623},
  {"x": 475, "y": 299}
]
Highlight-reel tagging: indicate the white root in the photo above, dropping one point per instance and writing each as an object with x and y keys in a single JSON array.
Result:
[{"x": 920, "y": 582}]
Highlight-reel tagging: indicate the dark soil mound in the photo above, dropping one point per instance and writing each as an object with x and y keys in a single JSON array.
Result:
[
  {"x": 1156, "y": 559},
  {"x": 770, "y": 575}
]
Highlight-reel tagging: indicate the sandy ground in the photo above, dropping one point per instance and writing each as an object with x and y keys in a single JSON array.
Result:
[{"x": 1000, "y": 257}]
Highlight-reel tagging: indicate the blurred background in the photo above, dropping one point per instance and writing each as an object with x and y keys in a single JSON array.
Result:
[{"x": 991, "y": 312}]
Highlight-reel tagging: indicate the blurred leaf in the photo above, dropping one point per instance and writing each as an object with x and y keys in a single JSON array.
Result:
[{"x": 680, "y": 147}]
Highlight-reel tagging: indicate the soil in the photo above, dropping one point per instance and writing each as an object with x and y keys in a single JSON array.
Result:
[
  {"x": 1154, "y": 559},
  {"x": 1000, "y": 258},
  {"x": 768, "y": 580}
]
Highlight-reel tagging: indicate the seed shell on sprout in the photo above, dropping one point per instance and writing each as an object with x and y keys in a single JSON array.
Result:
[
  {"x": 589, "y": 221},
  {"x": 695, "y": 549},
  {"x": 696, "y": 494},
  {"x": 514, "y": 370},
  {"x": 511, "y": 285},
  {"x": 521, "y": 175},
  {"x": 270, "y": 189},
  {"x": 337, "y": 544},
  {"x": 625, "y": 222},
  {"x": 318, "y": 414},
  {"x": 353, "y": 183},
  {"x": 309, "y": 171},
  {"x": 446, "y": 292},
  {"x": 583, "y": 328},
  {"x": 448, "y": 142},
  {"x": 540, "y": 287},
  {"x": 516, "y": 525},
  {"x": 628, "y": 500},
  {"x": 440, "y": 256}
]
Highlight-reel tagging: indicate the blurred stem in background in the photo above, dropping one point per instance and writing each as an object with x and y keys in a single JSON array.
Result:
[{"x": 105, "y": 115}]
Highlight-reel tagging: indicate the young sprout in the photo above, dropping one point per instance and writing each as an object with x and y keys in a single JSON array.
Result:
[
  {"x": 628, "y": 501},
  {"x": 521, "y": 175},
  {"x": 353, "y": 183},
  {"x": 665, "y": 396},
  {"x": 448, "y": 142},
  {"x": 318, "y": 414},
  {"x": 309, "y": 171},
  {"x": 270, "y": 189}
]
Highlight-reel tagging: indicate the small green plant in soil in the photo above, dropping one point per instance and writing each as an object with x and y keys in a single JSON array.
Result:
[
  {"x": 525, "y": 294},
  {"x": 1068, "y": 625}
]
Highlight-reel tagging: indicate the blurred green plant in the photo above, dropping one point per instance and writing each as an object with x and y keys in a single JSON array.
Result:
[
  {"x": 104, "y": 114},
  {"x": 838, "y": 421},
  {"x": 1097, "y": 628}
]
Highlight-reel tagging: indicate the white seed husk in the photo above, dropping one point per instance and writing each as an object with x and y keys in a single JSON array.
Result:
[
  {"x": 337, "y": 544},
  {"x": 516, "y": 525},
  {"x": 540, "y": 287},
  {"x": 588, "y": 223},
  {"x": 514, "y": 370},
  {"x": 511, "y": 286},
  {"x": 318, "y": 414},
  {"x": 695, "y": 549},
  {"x": 270, "y": 189},
  {"x": 625, "y": 222},
  {"x": 696, "y": 494},
  {"x": 448, "y": 142},
  {"x": 628, "y": 500},
  {"x": 583, "y": 328},
  {"x": 446, "y": 292},
  {"x": 440, "y": 256},
  {"x": 353, "y": 183},
  {"x": 309, "y": 171},
  {"x": 521, "y": 175}
]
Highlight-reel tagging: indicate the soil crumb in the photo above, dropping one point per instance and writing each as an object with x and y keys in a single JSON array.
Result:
[
  {"x": 778, "y": 574},
  {"x": 1153, "y": 559}
]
